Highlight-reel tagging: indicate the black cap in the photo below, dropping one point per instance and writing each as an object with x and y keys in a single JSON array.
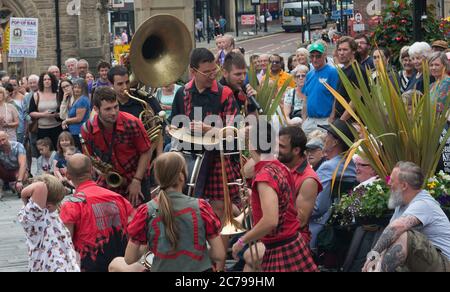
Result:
[{"x": 341, "y": 126}]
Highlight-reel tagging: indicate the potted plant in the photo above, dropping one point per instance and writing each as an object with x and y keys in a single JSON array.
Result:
[
  {"x": 366, "y": 205},
  {"x": 439, "y": 188}
]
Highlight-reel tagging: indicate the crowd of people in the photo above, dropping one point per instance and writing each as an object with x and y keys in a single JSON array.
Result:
[{"x": 104, "y": 195}]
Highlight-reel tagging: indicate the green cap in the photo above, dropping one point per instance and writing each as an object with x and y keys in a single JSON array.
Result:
[{"x": 317, "y": 47}]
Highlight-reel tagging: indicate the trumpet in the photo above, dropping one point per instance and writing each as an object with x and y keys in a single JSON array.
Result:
[{"x": 112, "y": 177}]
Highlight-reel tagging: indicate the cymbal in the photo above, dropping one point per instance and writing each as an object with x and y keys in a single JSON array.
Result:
[{"x": 184, "y": 135}]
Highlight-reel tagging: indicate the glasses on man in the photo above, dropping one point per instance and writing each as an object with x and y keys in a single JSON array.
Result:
[
  {"x": 208, "y": 74},
  {"x": 300, "y": 76},
  {"x": 276, "y": 62}
]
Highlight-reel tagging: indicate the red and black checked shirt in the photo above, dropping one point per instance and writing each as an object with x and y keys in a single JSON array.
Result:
[
  {"x": 130, "y": 142},
  {"x": 217, "y": 100},
  {"x": 279, "y": 178}
]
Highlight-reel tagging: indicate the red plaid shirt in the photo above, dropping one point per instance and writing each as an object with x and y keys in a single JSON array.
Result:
[
  {"x": 212, "y": 103},
  {"x": 278, "y": 177},
  {"x": 130, "y": 142}
]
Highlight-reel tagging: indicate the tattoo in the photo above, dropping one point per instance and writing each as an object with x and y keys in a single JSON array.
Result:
[
  {"x": 386, "y": 240},
  {"x": 394, "y": 231},
  {"x": 393, "y": 258}
]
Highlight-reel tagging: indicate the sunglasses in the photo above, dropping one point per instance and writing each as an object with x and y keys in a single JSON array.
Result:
[
  {"x": 300, "y": 76},
  {"x": 276, "y": 62}
]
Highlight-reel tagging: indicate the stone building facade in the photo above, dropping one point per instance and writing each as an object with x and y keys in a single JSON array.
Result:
[
  {"x": 83, "y": 32},
  {"x": 183, "y": 9}
]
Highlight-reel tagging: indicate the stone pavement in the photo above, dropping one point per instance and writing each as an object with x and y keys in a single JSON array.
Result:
[{"x": 13, "y": 250}]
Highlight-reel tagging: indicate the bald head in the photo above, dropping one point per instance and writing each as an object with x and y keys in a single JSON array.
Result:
[
  {"x": 79, "y": 168},
  {"x": 4, "y": 140}
]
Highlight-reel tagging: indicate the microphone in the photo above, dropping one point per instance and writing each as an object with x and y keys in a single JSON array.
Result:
[
  {"x": 256, "y": 104},
  {"x": 252, "y": 98}
]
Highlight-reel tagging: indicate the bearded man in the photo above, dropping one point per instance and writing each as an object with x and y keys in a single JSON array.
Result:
[{"x": 418, "y": 237}]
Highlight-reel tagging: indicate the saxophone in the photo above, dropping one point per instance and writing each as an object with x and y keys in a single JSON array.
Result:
[{"x": 112, "y": 177}]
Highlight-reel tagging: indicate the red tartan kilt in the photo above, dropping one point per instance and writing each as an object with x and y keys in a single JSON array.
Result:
[
  {"x": 294, "y": 256},
  {"x": 214, "y": 190}
]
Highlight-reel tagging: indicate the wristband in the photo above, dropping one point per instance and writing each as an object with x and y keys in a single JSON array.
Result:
[
  {"x": 138, "y": 179},
  {"x": 241, "y": 242}
]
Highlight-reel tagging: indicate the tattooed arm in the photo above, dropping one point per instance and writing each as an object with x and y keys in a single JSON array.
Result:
[
  {"x": 390, "y": 252},
  {"x": 394, "y": 231}
]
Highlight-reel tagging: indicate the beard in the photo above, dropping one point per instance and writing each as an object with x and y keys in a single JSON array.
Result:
[
  {"x": 285, "y": 158},
  {"x": 395, "y": 199}
]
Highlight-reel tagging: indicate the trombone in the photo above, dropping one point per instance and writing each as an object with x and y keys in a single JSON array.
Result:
[{"x": 236, "y": 225}]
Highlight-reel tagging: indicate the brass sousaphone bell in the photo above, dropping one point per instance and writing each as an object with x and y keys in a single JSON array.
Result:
[
  {"x": 160, "y": 51},
  {"x": 159, "y": 55}
]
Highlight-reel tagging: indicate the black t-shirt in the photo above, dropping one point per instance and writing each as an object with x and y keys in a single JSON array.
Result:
[
  {"x": 133, "y": 107},
  {"x": 351, "y": 75}
]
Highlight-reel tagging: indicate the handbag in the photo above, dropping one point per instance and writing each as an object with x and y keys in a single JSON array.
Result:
[
  {"x": 33, "y": 127},
  {"x": 295, "y": 113}
]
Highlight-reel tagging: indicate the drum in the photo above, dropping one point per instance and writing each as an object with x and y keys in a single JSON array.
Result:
[{"x": 148, "y": 261}]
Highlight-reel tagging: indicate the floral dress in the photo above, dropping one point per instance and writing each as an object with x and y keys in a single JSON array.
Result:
[
  {"x": 50, "y": 247},
  {"x": 439, "y": 91}
]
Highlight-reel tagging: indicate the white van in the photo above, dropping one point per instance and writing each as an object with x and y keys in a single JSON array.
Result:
[{"x": 292, "y": 15}]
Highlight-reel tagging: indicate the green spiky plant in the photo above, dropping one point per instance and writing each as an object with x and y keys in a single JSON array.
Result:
[
  {"x": 269, "y": 97},
  {"x": 390, "y": 130}
]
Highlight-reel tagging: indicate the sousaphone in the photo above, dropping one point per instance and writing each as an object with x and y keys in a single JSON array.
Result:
[
  {"x": 160, "y": 50},
  {"x": 159, "y": 55}
]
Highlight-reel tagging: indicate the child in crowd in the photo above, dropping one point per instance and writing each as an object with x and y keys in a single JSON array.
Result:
[
  {"x": 68, "y": 152},
  {"x": 45, "y": 161},
  {"x": 65, "y": 140},
  {"x": 50, "y": 246}
]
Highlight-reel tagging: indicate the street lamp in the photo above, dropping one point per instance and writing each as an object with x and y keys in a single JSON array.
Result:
[
  {"x": 302, "y": 26},
  {"x": 266, "y": 5},
  {"x": 419, "y": 14},
  {"x": 309, "y": 21}
]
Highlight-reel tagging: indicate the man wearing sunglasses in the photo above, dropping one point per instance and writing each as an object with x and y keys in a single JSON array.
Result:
[{"x": 320, "y": 101}]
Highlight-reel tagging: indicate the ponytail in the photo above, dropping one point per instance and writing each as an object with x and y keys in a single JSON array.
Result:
[
  {"x": 168, "y": 216},
  {"x": 168, "y": 167}
]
